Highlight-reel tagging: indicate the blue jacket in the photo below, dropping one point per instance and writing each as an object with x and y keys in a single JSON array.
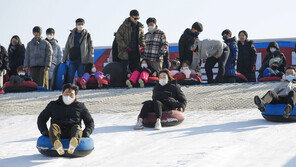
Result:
[
  {"x": 268, "y": 72},
  {"x": 230, "y": 64}
]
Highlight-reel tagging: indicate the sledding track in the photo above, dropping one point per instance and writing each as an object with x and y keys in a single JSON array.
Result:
[{"x": 113, "y": 100}]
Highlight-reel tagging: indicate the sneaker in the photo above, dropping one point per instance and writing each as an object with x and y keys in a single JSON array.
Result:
[
  {"x": 157, "y": 124},
  {"x": 287, "y": 111},
  {"x": 259, "y": 103},
  {"x": 141, "y": 82},
  {"x": 129, "y": 84},
  {"x": 139, "y": 125},
  {"x": 58, "y": 146},
  {"x": 72, "y": 145},
  {"x": 83, "y": 83}
]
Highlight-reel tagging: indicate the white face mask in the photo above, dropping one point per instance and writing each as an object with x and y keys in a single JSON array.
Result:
[
  {"x": 49, "y": 37},
  {"x": 22, "y": 73},
  {"x": 272, "y": 49},
  {"x": 278, "y": 59},
  {"x": 80, "y": 27},
  {"x": 68, "y": 100},
  {"x": 150, "y": 28},
  {"x": 290, "y": 78},
  {"x": 144, "y": 65},
  {"x": 186, "y": 71},
  {"x": 94, "y": 70},
  {"x": 163, "y": 82}
]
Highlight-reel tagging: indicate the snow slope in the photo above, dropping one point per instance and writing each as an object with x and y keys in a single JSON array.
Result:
[{"x": 229, "y": 138}]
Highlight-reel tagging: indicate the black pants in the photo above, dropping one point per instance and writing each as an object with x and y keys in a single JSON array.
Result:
[
  {"x": 155, "y": 106},
  {"x": 251, "y": 76},
  {"x": 210, "y": 63},
  {"x": 272, "y": 98},
  {"x": 133, "y": 60},
  {"x": 229, "y": 79},
  {"x": 124, "y": 64}
]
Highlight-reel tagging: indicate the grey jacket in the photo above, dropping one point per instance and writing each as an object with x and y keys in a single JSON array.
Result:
[
  {"x": 38, "y": 53},
  {"x": 285, "y": 87},
  {"x": 57, "y": 56},
  {"x": 86, "y": 47},
  {"x": 209, "y": 48}
]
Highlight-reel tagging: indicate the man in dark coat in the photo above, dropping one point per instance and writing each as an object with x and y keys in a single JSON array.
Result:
[
  {"x": 246, "y": 62},
  {"x": 66, "y": 114},
  {"x": 187, "y": 40}
]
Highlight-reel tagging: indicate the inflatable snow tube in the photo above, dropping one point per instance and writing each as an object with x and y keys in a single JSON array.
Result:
[
  {"x": 270, "y": 79},
  {"x": 115, "y": 70},
  {"x": 169, "y": 118},
  {"x": 26, "y": 86},
  {"x": 240, "y": 78},
  {"x": 60, "y": 75},
  {"x": 84, "y": 148},
  {"x": 274, "y": 113},
  {"x": 182, "y": 80}
]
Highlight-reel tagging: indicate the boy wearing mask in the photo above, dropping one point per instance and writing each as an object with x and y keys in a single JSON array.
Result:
[{"x": 284, "y": 93}]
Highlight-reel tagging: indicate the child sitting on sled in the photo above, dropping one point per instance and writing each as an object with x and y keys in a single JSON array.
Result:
[
  {"x": 186, "y": 73},
  {"x": 284, "y": 93},
  {"x": 18, "y": 79},
  {"x": 91, "y": 71},
  {"x": 141, "y": 75}
]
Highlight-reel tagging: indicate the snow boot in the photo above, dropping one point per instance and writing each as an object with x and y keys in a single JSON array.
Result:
[{"x": 259, "y": 103}]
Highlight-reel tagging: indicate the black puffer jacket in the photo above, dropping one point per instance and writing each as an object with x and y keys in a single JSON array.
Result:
[
  {"x": 246, "y": 57},
  {"x": 185, "y": 42},
  {"x": 66, "y": 116},
  {"x": 3, "y": 58},
  {"x": 170, "y": 95},
  {"x": 16, "y": 57}
]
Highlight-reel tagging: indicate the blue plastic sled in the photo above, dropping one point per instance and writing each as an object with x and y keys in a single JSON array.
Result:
[
  {"x": 60, "y": 74},
  {"x": 274, "y": 113},
  {"x": 84, "y": 148}
]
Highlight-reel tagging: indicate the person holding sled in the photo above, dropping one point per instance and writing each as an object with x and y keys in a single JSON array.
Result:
[
  {"x": 66, "y": 114},
  {"x": 167, "y": 95}
]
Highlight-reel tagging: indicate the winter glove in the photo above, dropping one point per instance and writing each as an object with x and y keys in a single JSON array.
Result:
[
  {"x": 141, "y": 49},
  {"x": 128, "y": 49},
  {"x": 45, "y": 133}
]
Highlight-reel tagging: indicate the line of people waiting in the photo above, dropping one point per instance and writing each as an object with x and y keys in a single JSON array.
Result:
[{"x": 142, "y": 55}]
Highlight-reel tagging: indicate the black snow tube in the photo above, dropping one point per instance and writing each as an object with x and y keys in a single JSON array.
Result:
[
  {"x": 169, "y": 118},
  {"x": 84, "y": 148},
  {"x": 274, "y": 113},
  {"x": 115, "y": 70}
]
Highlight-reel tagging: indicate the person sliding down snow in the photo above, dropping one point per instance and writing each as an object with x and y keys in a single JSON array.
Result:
[
  {"x": 284, "y": 93},
  {"x": 167, "y": 95},
  {"x": 141, "y": 74},
  {"x": 66, "y": 114},
  {"x": 91, "y": 71}
]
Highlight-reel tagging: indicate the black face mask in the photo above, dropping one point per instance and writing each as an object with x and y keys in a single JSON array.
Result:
[
  {"x": 274, "y": 67},
  {"x": 196, "y": 34},
  {"x": 14, "y": 43}
]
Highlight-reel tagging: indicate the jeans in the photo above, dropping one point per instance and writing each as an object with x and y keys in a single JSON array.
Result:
[{"x": 74, "y": 66}]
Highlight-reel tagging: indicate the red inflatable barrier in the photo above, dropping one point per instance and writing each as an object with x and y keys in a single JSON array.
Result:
[
  {"x": 26, "y": 86},
  {"x": 270, "y": 79},
  {"x": 169, "y": 118}
]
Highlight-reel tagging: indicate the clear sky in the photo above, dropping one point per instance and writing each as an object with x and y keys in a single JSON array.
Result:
[{"x": 260, "y": 18}]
